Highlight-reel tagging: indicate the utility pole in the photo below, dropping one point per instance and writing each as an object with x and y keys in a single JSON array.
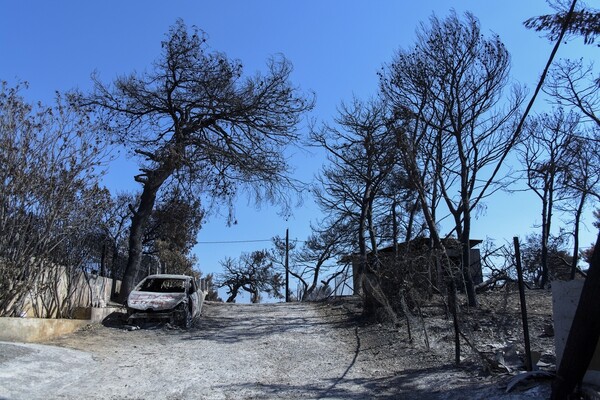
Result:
[{"x": 287, "y": 266}]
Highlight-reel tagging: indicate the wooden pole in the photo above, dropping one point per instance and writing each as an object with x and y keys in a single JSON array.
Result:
[
  {"x": 528, "y": 360},
  {"x": 287, "y": 266}
]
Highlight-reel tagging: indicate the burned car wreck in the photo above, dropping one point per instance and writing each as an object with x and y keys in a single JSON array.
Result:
[{"x": 165, "y": 297}]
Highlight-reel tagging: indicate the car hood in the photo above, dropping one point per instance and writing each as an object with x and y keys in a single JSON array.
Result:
[{"x": 154, "y": 301}]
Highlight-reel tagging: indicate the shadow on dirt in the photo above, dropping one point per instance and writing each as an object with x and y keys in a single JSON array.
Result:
[
  {"x": 408, "y": 385},
  {"x": 115, "y": 320},
  {"x": 118, "y": 320}
]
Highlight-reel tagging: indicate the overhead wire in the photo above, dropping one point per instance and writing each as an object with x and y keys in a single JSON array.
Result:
[{"x": 244, "y": 241}]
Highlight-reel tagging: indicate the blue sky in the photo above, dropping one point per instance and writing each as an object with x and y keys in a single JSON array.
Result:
[{"x": 336, "y": 47}]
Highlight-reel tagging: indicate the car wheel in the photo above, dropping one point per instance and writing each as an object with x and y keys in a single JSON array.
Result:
[
  {"x": 188, "y": 318},
  {"x": 129, "y": 317},
  {"x": 185, "y": 317}
]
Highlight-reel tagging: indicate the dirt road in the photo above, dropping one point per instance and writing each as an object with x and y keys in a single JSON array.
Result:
[{"x": 270, "y": 351}]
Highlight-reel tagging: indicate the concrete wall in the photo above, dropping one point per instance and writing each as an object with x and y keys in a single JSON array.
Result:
[
  {"x": 565, "y": 297},
  {"x": 98, "y": 291},
  {"x": 42, "y": 329},
  {"x": 37, "y": 329}
]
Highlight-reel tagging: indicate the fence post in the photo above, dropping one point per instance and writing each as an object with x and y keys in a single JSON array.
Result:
[{"x": 528, "y": 360}]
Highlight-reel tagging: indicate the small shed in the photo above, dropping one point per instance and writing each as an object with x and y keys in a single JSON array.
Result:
[{"x": 414, "y": 249}]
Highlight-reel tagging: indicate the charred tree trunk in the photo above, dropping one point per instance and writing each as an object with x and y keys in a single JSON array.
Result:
[
  {"x": 254, "y": 296},
  {"x": 103, "y": 260},
  {"x": 233, "y": 294},
  {"x": 463, "y": 231},
  {"x": 411, "y": 220},
  {"x": 115, "y": 294},
  {"x": 152, "y": 183},
  {"x": 395, "y": 230},
  {"x": 466, "y": 264},
  {"x": 365, "y": 274},
  {"x": 578, "y": 213},
  {"x": 464, "y": 235},
  {"x": 546, "y": 219},
  {"x": 453, "y": 305}
]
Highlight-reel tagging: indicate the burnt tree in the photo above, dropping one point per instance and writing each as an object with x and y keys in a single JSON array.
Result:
[
  {"x": 450, "y": 89},
  {"x": 195, "y": 118}
]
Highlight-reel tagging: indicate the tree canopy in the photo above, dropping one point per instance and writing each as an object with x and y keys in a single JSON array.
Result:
[
  {"x": 50, "y": 197},
  {"x": 583, "y": 22},
  {"x": 193, "y": 117},
  {"x": 453, "y": 117},
  {"x": 253, "y": 273}
]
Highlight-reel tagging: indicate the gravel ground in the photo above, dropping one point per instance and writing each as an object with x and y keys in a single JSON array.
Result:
[{"x": 236, "y": 351}]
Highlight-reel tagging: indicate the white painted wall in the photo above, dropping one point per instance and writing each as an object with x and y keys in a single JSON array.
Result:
[{"x": 565, "y": 297}]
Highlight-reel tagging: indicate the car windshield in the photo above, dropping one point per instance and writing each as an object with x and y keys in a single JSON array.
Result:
[{"x": 163, "y": 285}]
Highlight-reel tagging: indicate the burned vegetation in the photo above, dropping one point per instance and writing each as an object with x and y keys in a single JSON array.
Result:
[{"x": 420, "y": 292}]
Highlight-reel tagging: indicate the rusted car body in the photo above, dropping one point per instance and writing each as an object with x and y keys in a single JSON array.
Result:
[{"x": 165, "y": 296}]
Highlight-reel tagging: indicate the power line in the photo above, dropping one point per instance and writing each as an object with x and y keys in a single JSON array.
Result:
[
  {"x": 247, "y": 241},
  {"x": 236, "y": 241}
]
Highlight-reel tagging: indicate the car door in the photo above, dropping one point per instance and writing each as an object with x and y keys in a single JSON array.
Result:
[{"x": 193, "y": 296}]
